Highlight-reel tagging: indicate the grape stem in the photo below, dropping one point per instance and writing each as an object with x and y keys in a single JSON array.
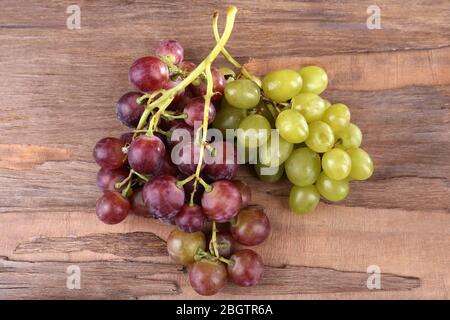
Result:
[{"x": 229, "y": 57}]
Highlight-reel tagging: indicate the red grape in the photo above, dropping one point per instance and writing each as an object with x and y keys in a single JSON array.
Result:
[
  {"x": 162, "y": 196},
  {"x": 224, "y": 243},
  {"x": 148, "y": 74},
  {"x": 171, "y": 84},
  {"x": 189, "y": 187},
  {"x": 108, "y": 153},
  {"x": 184, "y": 134},
  {"x": 194, "y": 111},
  {"x": 127, "y": 137},
  {"x": 223, "y": 163},
  {"x": 188, "y": 66},
  {"x": 245, "y": 190},
  {"x": 107, "y": 179},
  {"x": 190, "y": 218},
  {"x": 250, "y": 227},
  {"x": 137, "y": 203},
  {"x": 183, "y": 246},
  {"x": 146, "y": 154},
  {"x": 171, "y": 48},
  {"x": 246, "y": 269},
  {"x": 223, "y": 202},
  {"x": 128, "y": 111},
  {"x": 187, "y": 158},
  {"x": 112, "y": 208},
  {"x": 219, "y": 84},
  {"x": 167, "y": 167},
  {"x": 207, "y": 277}
]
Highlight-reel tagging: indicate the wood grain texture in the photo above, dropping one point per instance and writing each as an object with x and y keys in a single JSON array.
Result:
[{"x": 58, "y": 88}]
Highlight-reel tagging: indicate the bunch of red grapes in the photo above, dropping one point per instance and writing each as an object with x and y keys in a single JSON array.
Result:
[{"x": 197, "y": 193}]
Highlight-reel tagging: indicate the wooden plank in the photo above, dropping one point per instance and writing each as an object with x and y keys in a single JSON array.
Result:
[{"x": 57, "y": 96}]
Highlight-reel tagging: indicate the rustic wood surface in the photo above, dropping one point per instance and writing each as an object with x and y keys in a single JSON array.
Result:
[{"x": 58, "y": 88}]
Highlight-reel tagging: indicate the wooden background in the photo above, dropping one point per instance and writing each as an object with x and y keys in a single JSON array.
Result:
[{"x": 58, "y": 89}]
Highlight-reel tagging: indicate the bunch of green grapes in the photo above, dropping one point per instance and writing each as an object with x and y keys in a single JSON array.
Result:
[{"x": 319, "y": 147}]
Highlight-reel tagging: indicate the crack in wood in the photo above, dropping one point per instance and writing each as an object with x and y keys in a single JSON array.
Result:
[{"x": 134, "y": 244}]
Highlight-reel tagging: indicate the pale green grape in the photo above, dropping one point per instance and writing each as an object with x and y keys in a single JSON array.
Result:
[
  {"x": 269, "y": 174},
  {"x": 327, "y": 103},
  {"x": 321, "y": 137},
  {"x": 254, "y": 130},
  {"x": 350, "y": 136},
  {"x": 292, "y": 126},
  {"x": 242, "y": 93},
  {"x": 303, "y": 199},
  {"x": 337, "y": 164},
  {"x": 362, "y": 164},
  {"x": 310, "y": 105},
  {"x": 228, "y": 117},
  {"x": 282, "y": 85},
  {"x": 315, "y": 79},
  {"x": 332, "y": 190},
  {"x": 303, "y": 167},
  {"x": 337, "y": 117},
  {"x": 277, "y": 154}
]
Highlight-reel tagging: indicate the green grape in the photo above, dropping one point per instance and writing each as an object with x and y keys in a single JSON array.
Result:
[
  {"x": 315, "y": 79},
  {"x": 321, "y": 137},
  {"x": 292, "y": 126},
  {"x": 228, "y": 117},
  {"x": 303, "y": 199},
  {"x": 277, "y": 154},
  {"x": 282, "y": 85},
  {"x": 242, "y": 94},
  {"x": 227, "y": 73},
  {"x": 332, "y": 190},
  {"x": 337, "y": 116},
  {"x": 362, "y": 164},
  {"x": 336, "y": 164},
  {"x": 254, "y": 130},
  {"x": 303, "y": 167},
  {"x": 350, "y": 136},
  {"x": 269, "y": 174},
  {"x": 310, "y": 105}
]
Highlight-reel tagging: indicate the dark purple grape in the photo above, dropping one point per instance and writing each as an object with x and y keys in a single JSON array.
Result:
[
  {"x": 184, "y": 134},
  {"x": 146, "y": 154},
  {"x": 222, "y": 163},
  {"x": 250, "y": 227},
  {"x": 137, "y": 203},
  {"x": 247, "y": 268},
  {"x": 167, "y": 167},
  {"x": 188, "y": 66},
  {"x": 127, "y": 137},
  {"x": 162, "y": 196},
  {"x": 190, "y": 218},
  {"x": 112, "y": 208},
  {"x": 171, "y": 84},
  {"x": 207, "y": 277},
  {"x": 183, "y": 246},
  {"x": 219, "y": 84},
  {"x": 246, "y": 192},
  {"x": 128, "y": 111},
  {"x": 187, "y": 158},
  {"x": 171, "y": 48},
  {"x": 224, "y": 243},
  {"x": 189, "y": 187},
  {"x": 194, "y": 111},
  {"x": 107, "y": 179},
  {"x": 108, "y": 153},
  {"x": 148, "y": 74},
  {"x": 223, "y": 202}
]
